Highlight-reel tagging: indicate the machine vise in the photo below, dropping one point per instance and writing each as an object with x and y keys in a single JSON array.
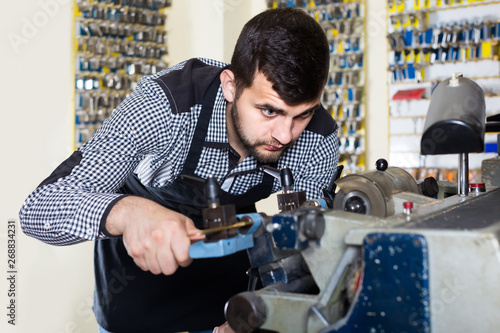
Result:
[{"x": 386, "y": 253}]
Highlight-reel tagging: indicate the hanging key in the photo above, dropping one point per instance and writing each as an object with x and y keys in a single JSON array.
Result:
[
  {"x": 476, "y": 32},
  {"x": 446, "y": 36},
  {"x": 436, "y": 34},
  {"x": 473, "y": 50}
]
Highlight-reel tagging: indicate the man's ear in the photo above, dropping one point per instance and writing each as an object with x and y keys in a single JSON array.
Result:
[{"x": 228, "y": 85}]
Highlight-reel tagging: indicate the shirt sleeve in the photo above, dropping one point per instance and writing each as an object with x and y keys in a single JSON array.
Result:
[
  {"x": 72, "y": 204},
  {"x": 320, "y": 163}
]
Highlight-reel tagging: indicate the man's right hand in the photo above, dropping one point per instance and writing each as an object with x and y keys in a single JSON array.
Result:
[{"x": 156, "y": 238}]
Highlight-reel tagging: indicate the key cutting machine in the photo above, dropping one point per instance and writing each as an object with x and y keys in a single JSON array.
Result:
[{"x": 382, "y": 253}]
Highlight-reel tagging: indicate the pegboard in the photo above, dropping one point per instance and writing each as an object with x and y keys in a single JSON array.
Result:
[
  {"x": 429, "y": 40},
  {"x": 116, "y": 43},
  {"x": 343, "y": 97}
]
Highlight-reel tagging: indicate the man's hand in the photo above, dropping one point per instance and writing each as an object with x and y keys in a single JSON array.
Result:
[
  {"x": 154, "y": 236},
  {"x": 224, "y": 328}
]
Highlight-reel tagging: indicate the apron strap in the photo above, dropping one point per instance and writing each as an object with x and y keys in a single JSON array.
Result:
[{"x": 201, "y": 129}]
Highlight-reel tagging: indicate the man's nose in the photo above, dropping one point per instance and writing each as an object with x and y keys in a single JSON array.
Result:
[{"x": 282, "y": 131}]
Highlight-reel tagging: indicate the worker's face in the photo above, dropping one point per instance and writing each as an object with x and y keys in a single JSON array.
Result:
[{"x": 264, "y": 124}]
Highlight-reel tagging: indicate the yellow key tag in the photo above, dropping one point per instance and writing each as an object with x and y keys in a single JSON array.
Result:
[
  {"x": 418, "y": 57},
  {"x": 396, "y": 23},
  {"x": 427, "y": 57},
  {"x": 416, "y": 22},
  {"x": 486, "y": 49},
  {"x": 340, "y": 46},
  {"x": 410, "y": 58},
  {"x": 422, "y": 73},
  {"x": 401, "y": 6},
  {"x": 392, "y": 7}
]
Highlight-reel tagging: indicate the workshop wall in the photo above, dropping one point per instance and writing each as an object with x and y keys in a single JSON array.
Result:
[{"x": 54, "y": 285}]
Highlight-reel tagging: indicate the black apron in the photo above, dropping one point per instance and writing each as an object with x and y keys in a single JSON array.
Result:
[{"x": 127, "y": 299}]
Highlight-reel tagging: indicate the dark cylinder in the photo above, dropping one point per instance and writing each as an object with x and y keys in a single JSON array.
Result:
[
  {"x": 455, "y": 121},
  {"x": 245, "y": 312},
  {"x": 286, "y": 179},
  {"x": 429, "y": 187},
  {"x": 212, "y": 191},
  {"x": 313, "y": 225}
]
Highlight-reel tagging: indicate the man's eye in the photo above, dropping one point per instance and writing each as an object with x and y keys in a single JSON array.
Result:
[
  {"x": 306, "y": 114},
  {"x": 268, "y": 112}
]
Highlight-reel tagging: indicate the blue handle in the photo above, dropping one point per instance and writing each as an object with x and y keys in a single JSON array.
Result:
[{"x": 227, "y": 246}]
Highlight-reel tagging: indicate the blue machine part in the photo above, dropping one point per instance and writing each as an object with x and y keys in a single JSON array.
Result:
[
  {"x": 224, "y": 247},
  {"x": 322, "y": 203},
  {"x": 286, "y": 236},
  {"x": 394, "y": 295},
  {"x": 287, "y": 230}
]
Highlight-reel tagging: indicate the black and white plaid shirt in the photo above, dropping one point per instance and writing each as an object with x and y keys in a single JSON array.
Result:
[{"x": 144, "y": 136}]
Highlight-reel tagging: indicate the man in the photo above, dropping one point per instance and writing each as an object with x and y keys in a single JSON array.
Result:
[{"x": 125, "y": 189}]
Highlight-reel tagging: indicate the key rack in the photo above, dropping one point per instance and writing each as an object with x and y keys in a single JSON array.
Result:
[
  {"x": 343, "y": 97},
  {"x": 429, "y": 40},
  {"x": 117, "y": 42}
]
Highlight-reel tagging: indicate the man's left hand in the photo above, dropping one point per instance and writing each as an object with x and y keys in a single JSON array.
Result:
[{"x": 224, "y": 328}]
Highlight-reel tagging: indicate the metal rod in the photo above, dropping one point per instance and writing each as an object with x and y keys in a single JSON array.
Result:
[
  {"x": 225, "y": 227},
  {"x": 463, "y": 174}
]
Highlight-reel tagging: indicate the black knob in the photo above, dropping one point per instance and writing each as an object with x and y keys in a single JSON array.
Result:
[
  {"x": 286, "y": 178},
  {"x": 245, "y": 312},
  {"x": 356, "y": 204},
  {"x": 212, "y": 190},
  {"x": 429, "y": 187},
  {"x": 381, "y": 164}
]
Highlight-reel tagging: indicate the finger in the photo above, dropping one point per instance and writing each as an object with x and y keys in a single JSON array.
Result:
[
  {"x": 167, "y": 262},
  {"x": 193, "y": 232},
  {"x": 190, "y": 226},
  {"x": 196, "y": 237},
  {"x": 152, "y": 262},
  {"x": 135, "y": 255},
  {"x": 165, "y": 258},
  {"x": 180, "y": 250},
  {"x": 180, "y": 246}
]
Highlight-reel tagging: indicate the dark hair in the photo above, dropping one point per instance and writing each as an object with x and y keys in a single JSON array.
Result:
[{"x": 290, "y": 48}]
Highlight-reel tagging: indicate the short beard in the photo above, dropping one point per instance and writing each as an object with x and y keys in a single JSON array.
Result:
[{"x": 252, "y": 146}]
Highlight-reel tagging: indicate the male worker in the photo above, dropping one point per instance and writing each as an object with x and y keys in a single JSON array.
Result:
[{"x": 124, "y": 187}]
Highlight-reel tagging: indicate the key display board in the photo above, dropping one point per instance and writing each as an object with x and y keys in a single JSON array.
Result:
[
  {"x": 343, "y": 97},
  {"x": 116, "y": 43},
  {"x": 429, "y": 40}
]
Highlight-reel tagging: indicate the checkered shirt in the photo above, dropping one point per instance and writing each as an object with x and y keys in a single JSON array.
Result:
[{"x": 143, "y": 136}]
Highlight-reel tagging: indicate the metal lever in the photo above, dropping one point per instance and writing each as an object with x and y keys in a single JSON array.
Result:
[{"x": 226, "y": 227}]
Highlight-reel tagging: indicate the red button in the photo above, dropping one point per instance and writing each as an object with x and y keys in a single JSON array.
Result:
[{"x": 408, "y": 205}]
